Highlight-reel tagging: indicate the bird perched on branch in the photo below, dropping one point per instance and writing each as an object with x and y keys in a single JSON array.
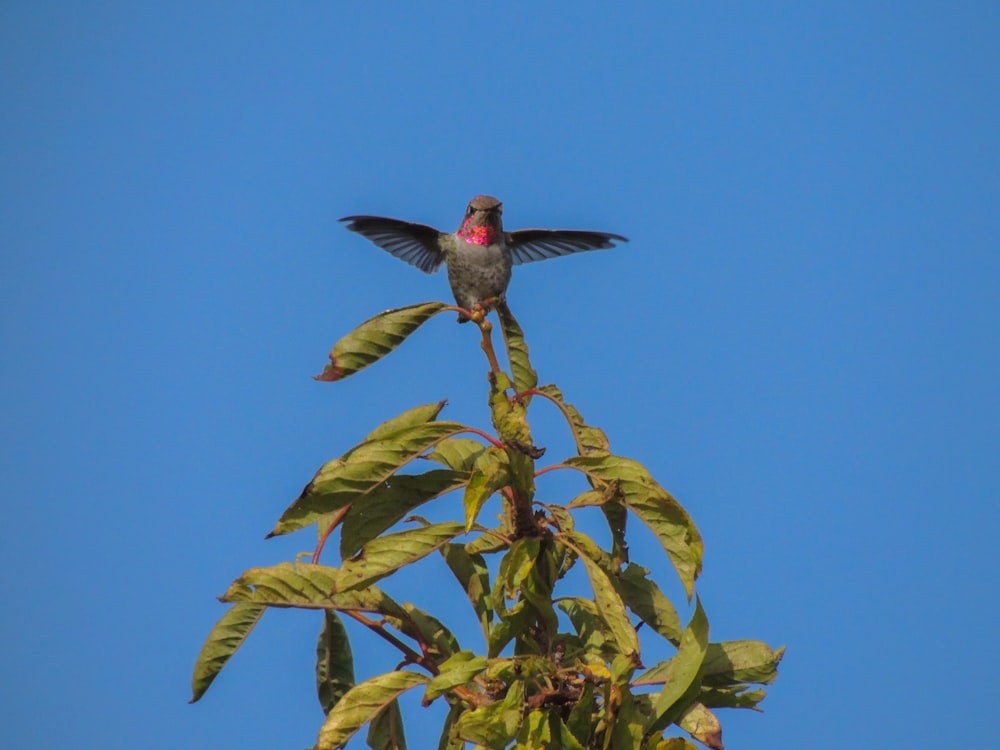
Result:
[{"x": 479, "y": 254}]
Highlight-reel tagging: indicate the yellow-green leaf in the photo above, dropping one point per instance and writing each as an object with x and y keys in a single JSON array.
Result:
[
  {"x": 361, "y": 704},
  {"x": 654, "y": 506},
  {"x": 389, "y": 503},
  {"x": 681, "y": 680},
  {"x": 375, "y": 338},
  {"x": 359, "y": 472},
  {"x": 389, "y": 553},
  {"x": 222, "y": 642}
]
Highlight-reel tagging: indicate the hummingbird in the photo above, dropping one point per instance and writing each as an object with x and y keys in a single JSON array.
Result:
[{"x": 479, "y": 255}]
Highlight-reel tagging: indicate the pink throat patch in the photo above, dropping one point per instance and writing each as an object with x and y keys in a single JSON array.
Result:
[{"x": 479, "y": 235}]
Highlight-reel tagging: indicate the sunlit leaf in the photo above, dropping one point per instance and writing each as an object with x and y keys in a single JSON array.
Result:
[
  {"x": 654, "y": 506},
  {"x": 375, "y": 338},
  {"x": 489, "y": 476},
  {"x": 732, "y": 662},
  {"x": 458, "y": 669},
  {"x": 392, "y": 501},
  {"x": 361, "y": 704},
  {"x": 589, "y": 625},
  {"x": 495, "y": 725},
  {"x": 524, "y": 375},
  {"x": 702, "y": 725},
  {"x": 609, "y": 603},
  {"x": 389, "y": 553},
  {"x": 411, "y": 417},
  {"x": 682, "y": 678},
  {"x": 334, "y": 662},
  {"x": 306, "y": 586},
  {"x": 588, "y": 439},
  {"x": 362, "y": 470},
  {"x": 458, "y": 453},
  {"x": 222, "y": 642}
]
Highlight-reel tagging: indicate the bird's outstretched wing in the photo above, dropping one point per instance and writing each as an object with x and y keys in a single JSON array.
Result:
[
  {"x": 417, "y": 244},
  {"x": 527, "y": 245}
]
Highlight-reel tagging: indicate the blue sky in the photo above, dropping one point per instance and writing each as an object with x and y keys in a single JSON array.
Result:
[{"x": 800, "y": 340}]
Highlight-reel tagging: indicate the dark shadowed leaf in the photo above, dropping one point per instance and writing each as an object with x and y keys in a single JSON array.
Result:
[
  {"x": 360, "y": 471},
  {"x": 643, "y": 596},
  {"x": 427, "y": 629},
  {"x": 361, "y": 704},
  {"x": 682, "y": 681},
  {"x": 654, "y": 506},
  {"x": 389, "y": 553},
  {"x": 389, "y": 503},
  {"x": 223, "y": 640},
  {"x": 375, "y": 338},
  {"x": 334, "y": 662},
  {"x": 474, "y": 576},
  {"x": 386, "y": 730}
]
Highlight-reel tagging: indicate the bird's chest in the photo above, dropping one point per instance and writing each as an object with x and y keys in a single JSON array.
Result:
[{"x": 480, "y": 270}]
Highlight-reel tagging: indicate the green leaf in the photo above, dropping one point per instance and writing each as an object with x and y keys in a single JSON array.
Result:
[
  {"x": 580, "y": 721},
  {"x": 617, "y": 517},
  {"x": 359, "y": 472},
  {"x": 474, "y": 576},
  {"x": 654, "y": 506},
  {"x": 495, "y": 725},
  {"x": 644, "y": 597},
  {"x": 731, "y": 662},
  {"x": 386, "y": 730},
  {"x": 702, "y": 725},
  {"x": 609, "y": 603},
  {"x": 489, "y": 542},
  {"x": 459, "y": 669},
  {"x": 361, "y": 704},
  {"x": 410, "y": 418},
  {"x": 427, "y": 629},
  {"x": 536, "y": 732},
  {"x": 447, "y": 740},
  {"x": 306, "y": 586},
  {"x": 490, "y": 475},
  {"x": 682, "y": 678},
  {"x": 222, "y": 642},
  {"x": 458, "y": 453},
  {"x": 524, "y": 375},
  {"x": 587, "y": 622},
  {"x": 334, "y": 662},
  {"x": 588, "y": 439},
  {"x": 514, "y": 623},
  {"x": 375, "y": 338},
  {"x": 389, "y": 553},
  {"x": 388, "y": 504},
  {"x": 733, "y": 697}
]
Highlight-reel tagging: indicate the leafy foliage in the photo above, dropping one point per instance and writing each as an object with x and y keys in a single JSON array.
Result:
[{"x": 555, "y": 671}]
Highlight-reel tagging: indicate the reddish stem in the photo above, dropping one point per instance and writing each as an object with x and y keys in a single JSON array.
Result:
[{"x": 329, "y": 530}]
